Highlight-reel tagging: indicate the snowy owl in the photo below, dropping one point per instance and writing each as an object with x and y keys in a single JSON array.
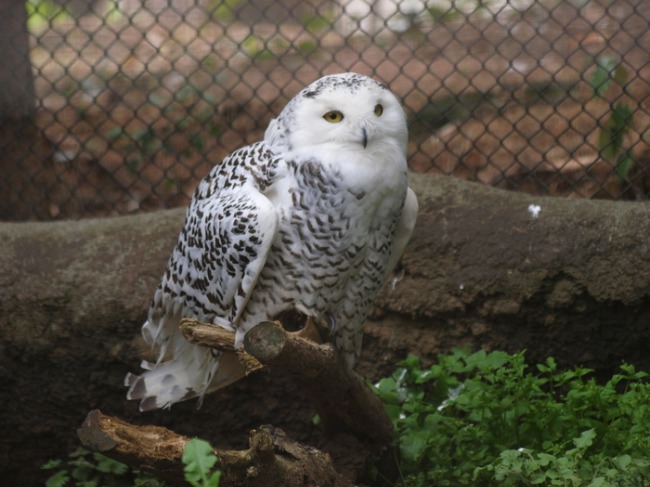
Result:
[{"x": 312, "y": 220}]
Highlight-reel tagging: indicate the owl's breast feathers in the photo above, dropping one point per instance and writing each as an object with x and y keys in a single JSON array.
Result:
[{"x": 333, "y": 248}]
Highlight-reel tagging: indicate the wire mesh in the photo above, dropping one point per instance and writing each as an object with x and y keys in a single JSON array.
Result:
[{"x": 136, "y": 100}]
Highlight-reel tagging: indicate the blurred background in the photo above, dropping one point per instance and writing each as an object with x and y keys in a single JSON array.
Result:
[{"x": 110, "y": 107}]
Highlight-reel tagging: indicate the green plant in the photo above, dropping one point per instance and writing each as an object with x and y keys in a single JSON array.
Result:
[
  {"x": 318, "y": 22},
  {"x": 199, "y": 462},
  {"x": 87, "y": 469},
  {"x": 257, "y": 48},
  {"x": 224, "y": 10},
  {"x": 607, "y": 76},
  {"x": 42, "y": 14},
  {"x": 484, "y": 419},
  {"x": 577, "y": 466}
]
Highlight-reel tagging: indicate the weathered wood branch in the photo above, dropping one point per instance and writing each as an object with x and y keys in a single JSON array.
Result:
[
  {"x": 341, "y": 397},
  {"x": 208, "y": 335},
  {"x": 272, "y": 459}
]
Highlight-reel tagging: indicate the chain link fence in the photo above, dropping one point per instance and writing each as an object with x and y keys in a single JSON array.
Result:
[{"x": 137, "y": 100}]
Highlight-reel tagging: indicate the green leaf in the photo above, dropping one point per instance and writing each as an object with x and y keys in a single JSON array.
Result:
[
  {"x": 602, "y": 78},
  {"x": 59, "y": 479},
  {"x": 108, "y": 465},
  {"x": 51, "y": 464},
  {"x": 307, "y": 47},
  {"x": 199, "y": 460},
  {"x": 612, "y": 133},
  {"x": 158, "y": 100},
  {"x": 133, "y": 163},
  {"x": 316, "y": 23},
  {"x": 393, "y": 411},
  {"x": 545, "y": 459},
  {"x": 114, "y": 133},
  {"x": 186, "y": 93},
  {"x": 623, "y": 461},
  {"x": 585, "y": 440},
  {"x": 413, "y": 444},
  {"x": 624, "y": 164},
  {"x": 620, "y": 74},
  {"x": 386, "y": 389},
  {"x": 224, "y": 10},
  {"x": 197, "y": 142},
  {"x": 622, "y": 115}
]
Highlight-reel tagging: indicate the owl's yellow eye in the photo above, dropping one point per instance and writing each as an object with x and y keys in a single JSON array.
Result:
[
  {"x": 334, "y": 116},
  {"x": 379, "y": 110}
]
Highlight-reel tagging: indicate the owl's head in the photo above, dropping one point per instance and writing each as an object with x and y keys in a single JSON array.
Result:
[{"x": 346, "y": 111}]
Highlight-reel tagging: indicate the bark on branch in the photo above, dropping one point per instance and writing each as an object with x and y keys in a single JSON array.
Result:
[
  {"x": 341, "y": 397},
  {"x": 272, "y": 458}
]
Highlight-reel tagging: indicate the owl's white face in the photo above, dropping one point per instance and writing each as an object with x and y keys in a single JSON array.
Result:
[{"x": 346, "y": 112}]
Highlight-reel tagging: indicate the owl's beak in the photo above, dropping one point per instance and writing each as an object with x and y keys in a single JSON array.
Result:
[{"x": 364, "y": 139}]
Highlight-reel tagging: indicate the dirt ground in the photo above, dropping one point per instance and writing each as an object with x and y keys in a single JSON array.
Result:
[{"x": 133, "y": 111}]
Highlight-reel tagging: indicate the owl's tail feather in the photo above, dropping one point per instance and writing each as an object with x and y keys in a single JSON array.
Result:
[{"x": 192, "y": 371}]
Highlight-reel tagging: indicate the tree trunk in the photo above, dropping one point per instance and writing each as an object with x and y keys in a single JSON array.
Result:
[
  {"x": 23, "y": 154},
  {"x": 485, "y": 268},
  {"x": 16, "y": 83}
]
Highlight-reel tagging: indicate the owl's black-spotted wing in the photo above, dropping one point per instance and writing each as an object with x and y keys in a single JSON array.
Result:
[
  {"x": 228, "y": 232},
  {"x": 226, "y": 238}
]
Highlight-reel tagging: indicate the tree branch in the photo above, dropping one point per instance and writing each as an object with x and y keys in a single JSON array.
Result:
[
  {"x": 216, "y": 337},
  {"x": 340, "y": 396},
  {"x": 272, "y": 459},
  {"x": 208, "y": 335}
]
